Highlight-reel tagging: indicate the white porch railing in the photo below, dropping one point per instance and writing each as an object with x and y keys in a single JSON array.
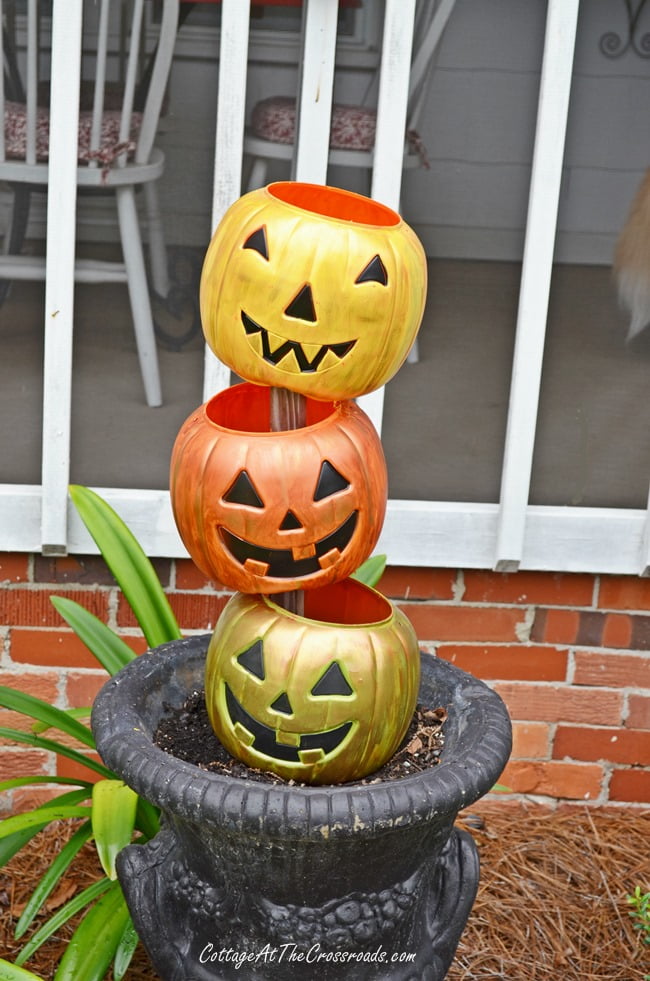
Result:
[{"x": 508, "y": 535}]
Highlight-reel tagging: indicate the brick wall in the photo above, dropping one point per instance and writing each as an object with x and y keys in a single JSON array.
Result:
[{"x": 570, "y": 655}]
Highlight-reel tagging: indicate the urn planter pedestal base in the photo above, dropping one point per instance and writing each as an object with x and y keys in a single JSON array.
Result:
[{"x": 260, "y": 881}]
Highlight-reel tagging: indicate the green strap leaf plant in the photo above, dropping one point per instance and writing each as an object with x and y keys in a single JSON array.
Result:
[
  {"x": 36, "y": 708},
  {"x": 30, "y": 819},
  {"x": 109, "y": 649},
  {"x": 62, "y": 916},
  {"x": 9, "y": 972},
  {"x": 147, "y": 819},
  {"x": 44, "y": 778},
  {"x": 52, "y": 746},
  {"x": 51, "y": 878},
  {"x": 11, "y": 844},
  {"x": 125, "y": 558},
  {"x": 125, "y": 950},
  {"x": 92, "y": 948},
  {"x": 370, "y": 571},
  {"x": 106, "y": 933},
  {"x": 113, "y": 819},
  {"x": 75, "y": 713}
]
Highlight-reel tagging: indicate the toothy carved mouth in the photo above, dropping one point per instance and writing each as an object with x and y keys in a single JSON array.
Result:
[
  {"x": 291, "y": 355},
  {"x": 311, "y": 748},
  {"x": 287, "y": 563}
]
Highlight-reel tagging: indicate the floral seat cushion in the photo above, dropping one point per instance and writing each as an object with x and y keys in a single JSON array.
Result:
[
  {"x": 109, "y": 143},
  {"x": 353, "y": 127}
]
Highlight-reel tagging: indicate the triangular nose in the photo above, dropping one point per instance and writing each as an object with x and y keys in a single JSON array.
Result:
[
  {"x": 302, "y": 305},
  {"x": 289, "y": 522}
]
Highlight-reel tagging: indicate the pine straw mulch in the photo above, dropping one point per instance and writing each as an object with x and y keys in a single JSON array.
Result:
[{"x": 551, "y": 904}]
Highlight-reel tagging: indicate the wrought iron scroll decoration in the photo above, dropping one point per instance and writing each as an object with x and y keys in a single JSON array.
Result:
[{"x": 613, "y": 45}]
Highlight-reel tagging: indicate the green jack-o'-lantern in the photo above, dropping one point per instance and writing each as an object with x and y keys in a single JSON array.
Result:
[
  {"x": 266, "y": 511},
  {"x": 314, "y": 289},
  {"x": 322, "y": 698}
]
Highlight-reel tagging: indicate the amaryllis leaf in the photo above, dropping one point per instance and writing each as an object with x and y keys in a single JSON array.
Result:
[{"x": 127, "y": 561}]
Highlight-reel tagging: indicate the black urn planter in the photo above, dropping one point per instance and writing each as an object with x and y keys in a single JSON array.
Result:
[{"x": 259, "y": 881}]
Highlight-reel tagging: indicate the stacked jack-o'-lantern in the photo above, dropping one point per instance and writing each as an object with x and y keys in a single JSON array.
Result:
[{"x": 313, "y": 295}]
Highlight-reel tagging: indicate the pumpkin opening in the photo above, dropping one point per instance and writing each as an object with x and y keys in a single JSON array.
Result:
[
  {"x": 246, "y": 408},
  {"x": 348, "y": 603},
  {"x": 334, "y": 202}
]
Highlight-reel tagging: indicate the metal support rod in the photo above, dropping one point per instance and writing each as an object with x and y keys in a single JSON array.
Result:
[{"x": 289, "y": 411}]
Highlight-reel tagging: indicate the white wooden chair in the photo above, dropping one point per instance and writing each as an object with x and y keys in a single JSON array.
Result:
[
  {"x": 271, "y": 133},
  {"x": 115, "y": 148}
]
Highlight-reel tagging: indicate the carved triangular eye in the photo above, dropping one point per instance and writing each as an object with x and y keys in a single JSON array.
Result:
[
  {"x": 252, "y": 660},
  {"x": 282, "y": 704},
  {"x": 257, "y": 242},
  {"x": 242, "y": 491},
  {"x": 330, "y": 481},
  {"x": 375, "y": 272},
  {"x": 332, "y": 682}
]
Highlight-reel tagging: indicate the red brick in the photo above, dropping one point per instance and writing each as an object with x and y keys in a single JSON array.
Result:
[
  {"x": 522, "y": 662},
  {"x": 639, "y": 712},
  {"x": 624, "y": 593},
  {"x": 61, "y": 648},
  {"x": 547, "y": 588},
  {"x": 556, "y": 626},
  {"x": 464, "y": 623},
  {"x": 86, "y": 569},
  {"x": 189, "y": 576},
  {"x": 70, "y": 768},
  {"x": 617, "y": 630},
  {"x": 14, "y": 567},
  {"x": 42, "y": 684},
  {"x": 405, "y": 582},
  {"x": 23, "y": 763},
  {"x": 82, "y": 688},
  {"x": 611, "y": 745},
  {"x": 137, "y": 643},
  {"x": 74, "y": 569},
  {"x": 194, "y": 611},
  {"x": 630, "y": 785},
  {"x": 640, "y": 640},
  {"x": 613, "y": 670},
  {"x": 32, "y": 607},
  {"x": 576, "y": 781},
  {"x": 530, "y": 740},
  {"x": 561, "y": 703},
  {"x": 50, "y": 647}
]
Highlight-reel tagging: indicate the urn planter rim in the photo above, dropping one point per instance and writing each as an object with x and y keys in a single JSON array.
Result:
[{"x": 316, "y": 812}]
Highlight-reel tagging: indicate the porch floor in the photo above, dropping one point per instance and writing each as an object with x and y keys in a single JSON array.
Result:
[{"x": 445, "y": 417}]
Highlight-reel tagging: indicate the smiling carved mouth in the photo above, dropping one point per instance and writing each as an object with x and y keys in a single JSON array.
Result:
[
  {"x": 296, "y": 357},
  {"x": 307, "y": 749},
  {"x": 287, "y": 563}
]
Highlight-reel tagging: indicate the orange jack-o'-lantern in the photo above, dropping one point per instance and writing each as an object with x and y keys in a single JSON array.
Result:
[
  {"x": 314, "y": 289},
  {"x": 266, "y": 511},
  {"x": 321, "y": 698}
]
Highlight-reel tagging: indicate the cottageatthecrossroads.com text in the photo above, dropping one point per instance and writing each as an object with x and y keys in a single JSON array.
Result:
[{"x": 291, "y": 953}]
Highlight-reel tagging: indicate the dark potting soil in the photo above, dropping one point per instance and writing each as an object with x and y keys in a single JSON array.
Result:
[{"x": 186, "y": 733}]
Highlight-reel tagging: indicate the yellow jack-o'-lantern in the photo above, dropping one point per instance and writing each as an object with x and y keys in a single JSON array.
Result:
[
  {"x": 266, "y": 511},
  {"x": 314, "y": 289},
  {"x": 322, "y": 698}
]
